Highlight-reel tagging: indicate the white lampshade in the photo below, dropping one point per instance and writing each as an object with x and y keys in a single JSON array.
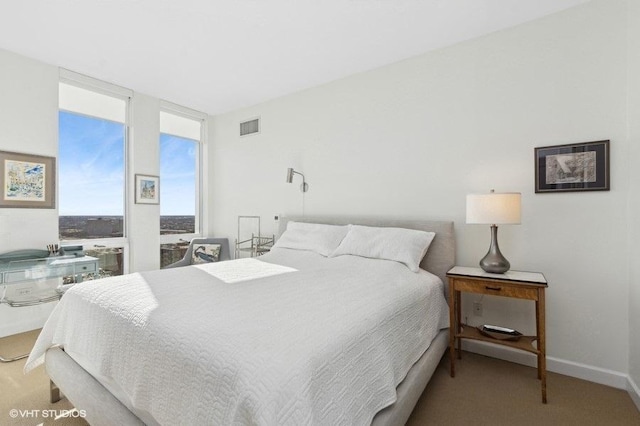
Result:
[{"x": 494, "y": 208}]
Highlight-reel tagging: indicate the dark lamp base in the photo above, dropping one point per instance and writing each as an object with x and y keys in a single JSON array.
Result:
[
  {"x": 494, "y": 265},
  {"x": 494, "y": 262}
]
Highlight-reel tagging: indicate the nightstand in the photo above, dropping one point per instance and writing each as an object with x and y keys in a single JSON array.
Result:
[{"x": 515, "y": 284}]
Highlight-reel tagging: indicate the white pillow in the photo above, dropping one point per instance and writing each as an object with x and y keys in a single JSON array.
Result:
[
  {"x": 319, "y": 238},
  {"x": 406, "y": 246}
]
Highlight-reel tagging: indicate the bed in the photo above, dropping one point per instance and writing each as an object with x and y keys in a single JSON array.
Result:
[{"x": 208, "y": 361}]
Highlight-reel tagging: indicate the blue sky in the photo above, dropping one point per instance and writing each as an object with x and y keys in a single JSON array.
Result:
[
  {"x": 91, "y": 169},
  {"x": 177, "y": 175}
]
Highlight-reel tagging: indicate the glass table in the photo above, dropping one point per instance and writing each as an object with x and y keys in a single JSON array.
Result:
[{"x": 31, "y": 282}]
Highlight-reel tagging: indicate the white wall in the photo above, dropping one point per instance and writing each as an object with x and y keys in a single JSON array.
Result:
[
  {"x": 634, "y": 197},
  {"x": 144, "y": 153},
  {"x": 29, "y": 124},
  {"x": 413, "y": 138}
]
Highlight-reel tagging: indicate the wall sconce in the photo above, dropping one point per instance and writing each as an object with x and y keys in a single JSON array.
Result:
[
  {"x": 290, "y": 172},
  {"x": 492, "y": 209}
]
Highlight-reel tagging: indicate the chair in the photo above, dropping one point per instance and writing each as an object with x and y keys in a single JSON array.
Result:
[{"x": 225, "y": 254}]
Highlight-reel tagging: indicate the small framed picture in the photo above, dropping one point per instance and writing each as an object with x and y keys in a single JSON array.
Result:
[
  {"x": 573, "y": 167},
  {"x": 27, "y": 181},
  {"x": 147, "y": 189}
]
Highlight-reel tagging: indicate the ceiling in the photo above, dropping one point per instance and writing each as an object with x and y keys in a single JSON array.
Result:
[{"x": 221, "y": 55}]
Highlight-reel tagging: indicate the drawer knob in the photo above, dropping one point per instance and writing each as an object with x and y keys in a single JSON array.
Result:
[{"x": 493, "y": 288}]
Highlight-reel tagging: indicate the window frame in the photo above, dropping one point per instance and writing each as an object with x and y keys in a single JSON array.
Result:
[{"x": 200, "y": 210}]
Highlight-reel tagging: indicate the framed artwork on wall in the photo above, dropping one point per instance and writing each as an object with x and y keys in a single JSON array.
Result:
[
  {"x": 27, "y": 181},
  {"x": 572, "y": 167},
  {"x": 147, "y": 189}
]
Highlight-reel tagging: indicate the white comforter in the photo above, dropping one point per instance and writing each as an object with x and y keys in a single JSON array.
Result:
[{"x": 291, "y": 339}]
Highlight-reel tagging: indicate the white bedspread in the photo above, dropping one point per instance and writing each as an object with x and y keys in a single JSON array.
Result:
[{"x": 290, "y": 339}]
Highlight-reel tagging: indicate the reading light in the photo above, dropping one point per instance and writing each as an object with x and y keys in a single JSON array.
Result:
[
  {"x": 494, "y": 208},
  {"x": 290, "y": 172}
]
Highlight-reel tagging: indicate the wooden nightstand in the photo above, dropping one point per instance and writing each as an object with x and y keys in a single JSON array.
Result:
[{"x": 520, "y": 285}]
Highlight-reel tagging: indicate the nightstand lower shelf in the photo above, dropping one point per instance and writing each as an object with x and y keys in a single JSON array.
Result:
[{"x": 524, "y": 343}]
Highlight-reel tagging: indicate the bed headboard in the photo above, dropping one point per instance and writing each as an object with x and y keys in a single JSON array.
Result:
[{"x": 440, "y": 257}]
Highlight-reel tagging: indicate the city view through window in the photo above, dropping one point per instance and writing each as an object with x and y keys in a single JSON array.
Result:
[{"x": 103, "y": 226}]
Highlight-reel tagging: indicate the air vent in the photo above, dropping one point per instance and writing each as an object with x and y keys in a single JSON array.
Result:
[{"x": 250, "y": 127}]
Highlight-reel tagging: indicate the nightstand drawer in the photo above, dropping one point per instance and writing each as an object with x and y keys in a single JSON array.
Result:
[{"x": 496, "y": 289}]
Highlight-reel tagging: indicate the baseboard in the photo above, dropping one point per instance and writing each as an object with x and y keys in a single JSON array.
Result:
[
  {"x": 634, "y": 392},
  {"x": 568, "y": 368},
  {"x": 19, "y": 320},
  {"x": 21, "y": 327}
]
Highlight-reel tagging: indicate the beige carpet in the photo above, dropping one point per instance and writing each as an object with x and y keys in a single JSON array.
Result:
[
  {"x": 29, "y": 394},
  {"x": 488, "y": 391},
  {"x": 485, "y": 391}
]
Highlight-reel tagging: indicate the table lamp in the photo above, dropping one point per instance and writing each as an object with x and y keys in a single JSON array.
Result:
[{"x": 494, "y": 209}]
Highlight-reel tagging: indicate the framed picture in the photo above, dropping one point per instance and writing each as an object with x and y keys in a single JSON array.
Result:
[
  {"x": 147, "y": 189},
  {"x": 27, "y": 181},
  {"x": 573, "y": 167}
]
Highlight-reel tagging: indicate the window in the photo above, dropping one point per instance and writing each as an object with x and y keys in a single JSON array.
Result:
[
  {"x": 92, "y": 173},
  {"x": 180, "y": 198},
  {"x": 178, "y": 161},
  {"x": 91, "y": 176}
]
